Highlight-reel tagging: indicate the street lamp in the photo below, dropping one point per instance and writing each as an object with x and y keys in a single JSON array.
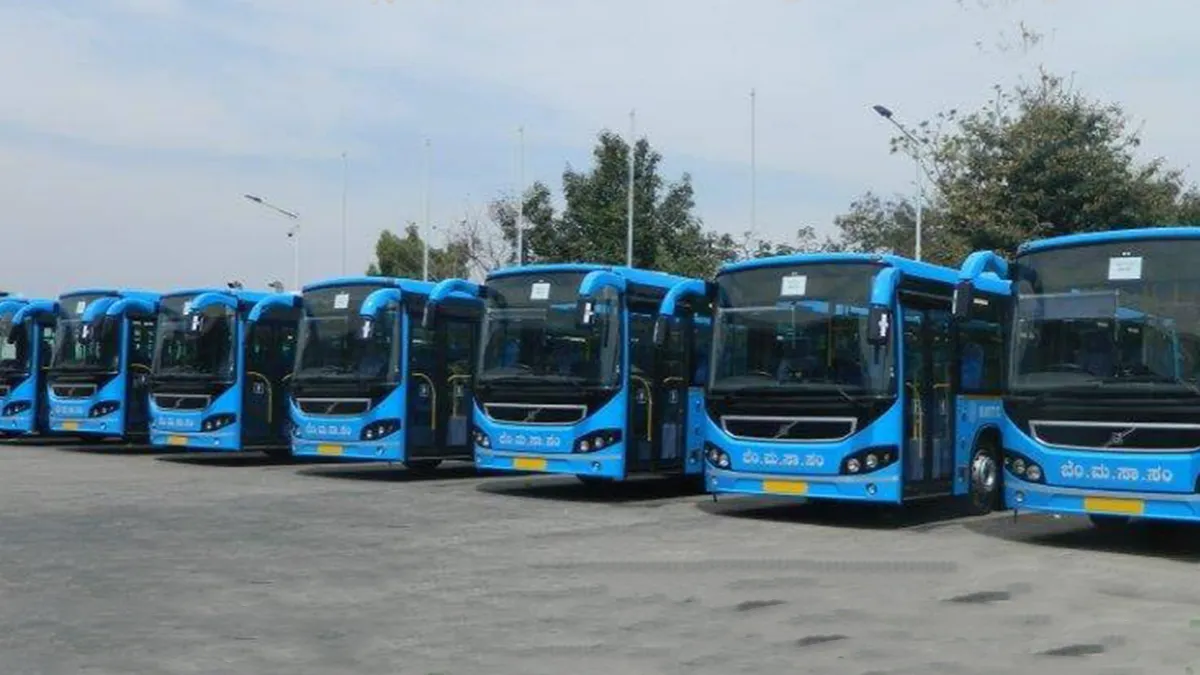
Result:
[
  {"x": 293, "y": 233},
  {"x": 886, "y": 114}
]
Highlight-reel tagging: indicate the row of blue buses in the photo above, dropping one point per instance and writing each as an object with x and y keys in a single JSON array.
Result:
[{"x": 1066, "y": 380}]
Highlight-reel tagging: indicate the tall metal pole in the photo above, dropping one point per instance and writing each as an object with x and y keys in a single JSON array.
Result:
[
  {"x": 344, "y": 181},
  {"x": 753, "y": 168},
  {"x": 521, "y": 196},
  {"x": 629, "y": 225},
  {"x": 920, "y": 205},
  {"x": 425, "y": 233},
  {"x": 296, "y": 258}
]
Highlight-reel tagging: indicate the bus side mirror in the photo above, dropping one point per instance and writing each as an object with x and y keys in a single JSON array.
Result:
[
  {"x": 961, "y": 304},
  {"x": 368, "y": 328},
  {"x": 660, "y": 330},
  {"x": 585, "y": 312},
  {"x": 196, "y": 323},
  {"x": 879, "y": 326}
]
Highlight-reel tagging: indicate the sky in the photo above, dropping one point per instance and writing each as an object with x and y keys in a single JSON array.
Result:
[{"x": 131, "y": 129}]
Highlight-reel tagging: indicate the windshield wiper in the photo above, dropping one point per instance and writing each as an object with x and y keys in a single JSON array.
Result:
[{"x": 1152, "y": 378}]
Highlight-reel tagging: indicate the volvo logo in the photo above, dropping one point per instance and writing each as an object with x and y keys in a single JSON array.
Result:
[{"x": 1118, "y": 437}]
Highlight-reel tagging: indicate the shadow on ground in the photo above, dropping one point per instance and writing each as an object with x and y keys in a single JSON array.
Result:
[
  {"x": 918, "y": 516},
  {"x": 570, "y": 489},
  {"x": 235, "y": 460},
  {"x": 118, "y": 448},
  {"x": 390, "y": 473},
  {"x": 1169, "y": 541}
]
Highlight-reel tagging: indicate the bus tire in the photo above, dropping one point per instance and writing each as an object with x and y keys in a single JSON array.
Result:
[
  {"x": 1110, "y": 523},
  {"x": 985, "y": 478},
  {"x": 422, "y": 465}
]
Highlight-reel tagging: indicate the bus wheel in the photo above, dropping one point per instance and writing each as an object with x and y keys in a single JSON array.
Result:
[
  {"x": 422, "y": 465},
  {"x": 986, "y": 490},
  {"x": 1109, "y": 523}
]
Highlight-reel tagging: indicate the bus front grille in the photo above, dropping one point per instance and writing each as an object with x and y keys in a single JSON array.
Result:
[
  {"x": 1117, "y": 436},
  {"x": 333, "y": 406},
  {"x": 182, "y": 401},
  {"x": 783, "y": 429},
  {"x": 535, "y": 413},
  {"x": 73, "y": 390}
]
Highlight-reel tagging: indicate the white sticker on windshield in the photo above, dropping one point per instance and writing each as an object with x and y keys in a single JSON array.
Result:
[
  {"x": 187, "y": 307},
  {"x": 80, "y": 306},
  {"x": 795, "y": 284},
  {"x": 1124, "y": 269},
  {"x": 341, "y": 301},
  {"x": 540, "y": 291}
]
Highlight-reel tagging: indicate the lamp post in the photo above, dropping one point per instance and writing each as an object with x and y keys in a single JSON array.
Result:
[
  {"x": 886, "y": 114},
  {"x": 293, "y": 233}
]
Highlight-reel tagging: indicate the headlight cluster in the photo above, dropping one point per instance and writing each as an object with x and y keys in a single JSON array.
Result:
[
  {"x": 481, "y": 439},
  {"x": 104, "y": 408},
  {"x": 870, "y": 459},
  {"x": 1022, "y": 467},
  {"x": 16, "y": 408},
  {"x": 716, "y": 456},
  {"x": 217, "y": 422},
  {"x": 380, "y": 428},
  {"x": 597, "y": 440}
]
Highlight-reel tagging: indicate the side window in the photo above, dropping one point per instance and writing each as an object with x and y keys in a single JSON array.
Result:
[
  {"x": 702, "y": 335},
  {"x": 420, "y": 348},
  {"x": 460, "y": 342},
  {"x": 47, "y": 338},
  {"x": 641, "y": 343},
  {"x": 141, "y": 346},
  {"x": 981, "y": 345},
  {"x": 258, "y": 349}
]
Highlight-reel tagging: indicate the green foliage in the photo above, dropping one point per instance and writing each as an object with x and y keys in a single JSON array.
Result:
[
  {"x": 592, "y": 225},
  {"x": 403, "y": 257},
  {"x": 1038, "y": 161}
]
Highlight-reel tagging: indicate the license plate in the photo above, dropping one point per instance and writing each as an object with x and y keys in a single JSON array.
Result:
[
  {"x": 177, "y": 440},
  {"x": 70, "y": 426},
  {"x": 331, "y": 450},
  {"x": 785, "y": 487},
  {"x": 529, "y": 464},
  {"x": 1126, "y": 507}
]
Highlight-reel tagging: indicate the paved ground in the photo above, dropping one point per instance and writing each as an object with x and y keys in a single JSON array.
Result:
[{"x": 133, "y": 562}]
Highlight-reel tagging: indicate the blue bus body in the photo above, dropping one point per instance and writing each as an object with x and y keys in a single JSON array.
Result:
[
  {"x": 842, "y": 377},
  {"x": 26, "y": 344},
  {"x": 571, "y": 379},
  {"x": 218, "y": 378},
  {"x": 378, "y": 378},
  {"x": 1102, "y": 410},
  {"x": 99, "y": 380}
]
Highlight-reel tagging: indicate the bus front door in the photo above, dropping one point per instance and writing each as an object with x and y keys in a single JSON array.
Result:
[{"x": 928, "y": 450}]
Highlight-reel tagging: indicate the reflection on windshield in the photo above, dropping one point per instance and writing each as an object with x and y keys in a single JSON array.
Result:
[
  {"x": 546, "y": 343},
  {"x": 14, "y": 348},
  {"x": 78, "y": 346},
  {"x": 802, "y": 344},
  {"x": 334, "y": 346},
  {"x": 1076, "y": 326},
  {"x": 182, "y": 351}
]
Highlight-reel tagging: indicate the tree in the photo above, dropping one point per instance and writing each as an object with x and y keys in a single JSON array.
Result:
[
  {"x": 1040, "y": 160},
  {"x": 403, "y": 257},
  {"x": 592, "y": 225}
]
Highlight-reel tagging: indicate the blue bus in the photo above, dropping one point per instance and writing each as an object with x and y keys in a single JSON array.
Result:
[
  {"x": 848, "y": 377},
  {"x": 218, "y": 379},
  {"x": 98, "y": 384},
  {"x": 572, "y": 381},
  {"x": 26, "y": 343},
  {"x": 374, "y": 380},
  {"x": 1102, "y": 410}
]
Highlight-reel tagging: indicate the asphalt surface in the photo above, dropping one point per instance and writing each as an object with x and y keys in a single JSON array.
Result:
[{"x": 130, "y": 561}]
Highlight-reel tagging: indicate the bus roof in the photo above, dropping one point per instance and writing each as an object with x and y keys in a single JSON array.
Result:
[
  {"x": 115, "y": 292},
  {"x": 406, "y": 285},
  {"x": 1111, "y": 236},
  {"x": 631, "y": 274},
  {"x": 906, "y": 266},
  {"x": 241, "y": 294}
]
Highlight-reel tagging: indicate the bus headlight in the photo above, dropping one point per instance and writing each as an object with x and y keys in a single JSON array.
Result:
[
  {"x": 104, "y": 408},
  {"x": 716, "y": 456},
  {"x": 852, "y": 465},
  {"x": 378, "y": 429},
  {"x": 597, "y": 440},
  {"x": 16, "y": 408},
  {"x": 1022, "y": 467},
  {"x": 481, "y": 439},
  {"x": 870, "y": 459},
  {"x": 214, "y": 422}
]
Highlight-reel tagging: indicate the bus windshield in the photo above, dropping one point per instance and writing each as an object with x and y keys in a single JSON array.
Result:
[
  {"x": 531, "y": 332},
  {"x": 331, "y": 341},
  {"x": 1106, "y": 316},
  {"x": 203, "y": 349},
  {"x": 14, "y": 348},
  {"x": 79, "y": 346},
  {"x": 800, "y": 327}
]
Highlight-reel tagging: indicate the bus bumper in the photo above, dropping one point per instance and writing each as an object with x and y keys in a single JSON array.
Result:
[
  {"x": 90, "y": 427},
  {"x": 868, "y": 488},
  {"x": 608, "y": 463},
  {"x": 378, "y": 451},
  {"x": 1022, "y": 495},
  {"x": 17, "y": 425},
  {"x": 211, "y": 442}
]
